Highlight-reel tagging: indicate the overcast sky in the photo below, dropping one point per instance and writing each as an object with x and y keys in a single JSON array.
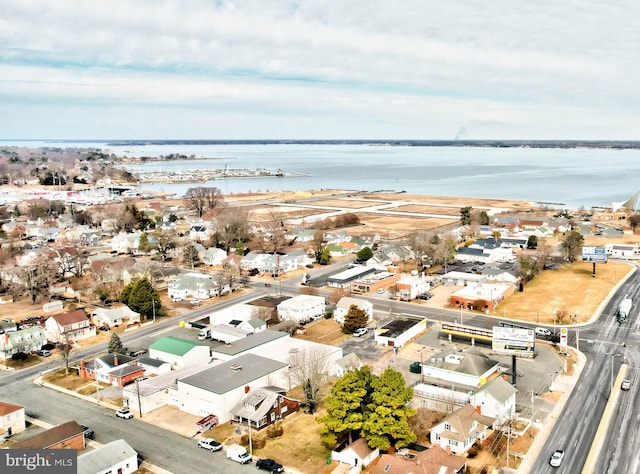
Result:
[{"x": 370, "y": 69}]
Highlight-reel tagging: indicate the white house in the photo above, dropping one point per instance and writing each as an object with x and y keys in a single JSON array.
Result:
[
  {"x": 115, "y": 456},
  {"x": 301, "y": 309},
  {"x": 461, "y": 429},
  {"x": 179, "y": 352},
  {"x": 410, "y": 286},
  {"x": 25, "y": 340},
  {"x": 69, "y": 327},
  {"x": 193, "y": 284},
  {"x": 348, "y": 363},
  {"x": 496, "y": 399},
  {"x": 471, "y": 367},
  {"x": 125, "y": 243},
  {"x": 342, "y": 308},
  {"x": 357, "y": 454},
  {"x": 217, "y": 390},
  {"x": 114, "y": 317},
  {"x": 269, "y": 263},
  {"x": 214, "y": 256},
  {"x": 12, "y": 420}
]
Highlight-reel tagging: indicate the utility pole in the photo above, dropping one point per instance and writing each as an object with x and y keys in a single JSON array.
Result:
[
  {"x": 531, "y": 407},
  {"x": 138, "y": 392}
]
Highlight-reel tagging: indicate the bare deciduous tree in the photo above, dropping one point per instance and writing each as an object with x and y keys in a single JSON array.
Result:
[
  {"x": 231, "y": 225},
  {"x": 309, "y": 369},
  {"x": 203, "y": 199}
]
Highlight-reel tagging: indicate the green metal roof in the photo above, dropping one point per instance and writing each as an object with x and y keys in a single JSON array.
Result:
[{"x": 173, "y": 345}]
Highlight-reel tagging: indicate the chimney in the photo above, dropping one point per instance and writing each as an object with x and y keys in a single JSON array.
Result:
[
  {"x": 246, "y": 389},
  {"x": 115, "y": 359}
]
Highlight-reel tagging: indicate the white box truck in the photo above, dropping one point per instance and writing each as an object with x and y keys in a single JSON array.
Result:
[
  {"x": 204, "y": 333},
  {"x": 624, "y": 309},
  {"x": 238, "y": 453}
]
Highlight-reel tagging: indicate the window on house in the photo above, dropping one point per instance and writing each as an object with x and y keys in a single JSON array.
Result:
[
  {"x": 447, "y": 426},
  {"x": 273, "y": 416}
]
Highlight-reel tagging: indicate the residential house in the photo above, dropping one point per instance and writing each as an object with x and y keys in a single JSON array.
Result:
[
  {"x": 410, "y": 286},
  {"x": 400, "y": 253},
  {"x": 12, "y": 420},
  {"x": 115, "y": 369},
  {"x": 434, "y": 460},
  {"x": 8, "y": 325},
  {"x": 199, "y": 233},
  {"x": 69, "y": 435},
  {"x": 338, "y": 251},
  {"x": 125, "y": 242},
  {"x": 261, "y": 407},
  {"x": 115, "y": 456},
  {"x": 496, "y": 399},
  {"x": 300, "y": 235},
  {"x": 194, "y": 285},
  {"x": 461, "y": 429},
  {"x": 214, "y": 256},
  {"x": 302, "y": 309},
  {"x": 24, "y": 340},
  {"x": 302, "y": 259},
  {"x": 348, "y": 363},
  {"x": 270, "y": 263},
  {"x": 501, "y": 275},
  {"x": 357, "y": 454},
  {"x": 69, "y": 327},
  {"x": 115, "y": 317},
  {"x": 179, "y": 352},
  {"x": 344, "y": 305},
  {"x": 336, "y": 238}
]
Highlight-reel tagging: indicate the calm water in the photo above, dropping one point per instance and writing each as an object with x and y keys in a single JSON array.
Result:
[{"x": 573, "y": 178}]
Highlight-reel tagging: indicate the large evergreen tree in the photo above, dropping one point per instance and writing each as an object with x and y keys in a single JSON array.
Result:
[
  {"x": 376, "y": 407},
  {"x": 354, "y": 319},
  {"x": 143, "y": 298},
  {"x": 345, "y": 406},
  {"x": 364, "y": 254},
  {"x": 387, "y": 423},
  {"x": 115, "y": 345}
]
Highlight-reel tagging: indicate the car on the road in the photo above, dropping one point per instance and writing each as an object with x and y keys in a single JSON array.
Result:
[
  {"x": 381, "y": 291},
  {"x": 210, "y": 444},
  {"x": 176, "y": 300},
  {"x": 556, "y": 458},
  {"x": 626, "y": 385},
  {"x": 88, "y": 432},
  {"x": 124, "y": 413},
  {"x": 269, "y": 465},
  {"x": 137, "y": 353},
  {"x": 543, "y": 332},
  {"x": 195, "y": 302},
  {"x": 309, "y": 265},
  {"x": 359, "y": 332},
  {"x": 43, "y": 353}
]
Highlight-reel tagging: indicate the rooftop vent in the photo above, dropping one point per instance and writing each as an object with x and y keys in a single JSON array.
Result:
[{"x": 235, "y": 367}]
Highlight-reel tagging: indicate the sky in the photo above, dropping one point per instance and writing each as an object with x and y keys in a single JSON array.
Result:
[{"x": 319, "y": 69}]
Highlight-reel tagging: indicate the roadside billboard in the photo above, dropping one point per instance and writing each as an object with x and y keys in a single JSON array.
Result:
[
  {"x": 514, "y": 341},
  {"x": 594, "y": 254}
]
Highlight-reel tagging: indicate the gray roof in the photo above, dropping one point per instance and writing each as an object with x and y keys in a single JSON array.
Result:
[
  {"x": 499, "y": 389},
  {"x": 249, "y": 342},
  {"x": 151, "y": 362},
  {"x": 223, "y": 378},
  {"x": 102, "y": 458}
]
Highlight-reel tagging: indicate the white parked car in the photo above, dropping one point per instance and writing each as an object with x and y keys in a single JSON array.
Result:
[
  {"x": 195, "y": 302},
  {"x": 626, "y": 385},
  {"x": 124, "y": 413},
  {"x": 210, "y": 444},
  {"x": 360, "y": 332}
]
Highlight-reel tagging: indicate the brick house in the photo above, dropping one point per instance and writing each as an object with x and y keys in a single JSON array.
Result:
[
  {"x": 69, "y": 435},
  {"x": 115, "y": 369},
  {"x": 264, "y": 406}
]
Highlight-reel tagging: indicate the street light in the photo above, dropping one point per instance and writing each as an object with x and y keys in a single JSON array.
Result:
[{"x": 612, "y": 356}]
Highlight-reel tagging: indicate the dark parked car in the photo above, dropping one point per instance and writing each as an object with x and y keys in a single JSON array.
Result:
[
  {"x": 137, "y": 353},
  {"x": 269, "y": 465},
  {"x": 88, "y": 432}
]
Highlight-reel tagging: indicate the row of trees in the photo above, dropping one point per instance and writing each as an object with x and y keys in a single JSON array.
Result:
[{"x": 362, "y": 404}]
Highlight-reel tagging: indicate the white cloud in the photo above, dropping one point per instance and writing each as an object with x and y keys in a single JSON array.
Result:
[{"x": 419, "y": 69}]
